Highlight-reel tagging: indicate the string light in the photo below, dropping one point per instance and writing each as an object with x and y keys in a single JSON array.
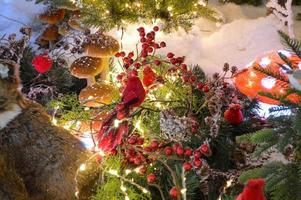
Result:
[
  {"x": 82, "y": 167},
  {"x": 116, "y": 123}
]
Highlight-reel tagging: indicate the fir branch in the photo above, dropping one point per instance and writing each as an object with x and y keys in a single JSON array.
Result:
[{"x": 293, "y": 44}]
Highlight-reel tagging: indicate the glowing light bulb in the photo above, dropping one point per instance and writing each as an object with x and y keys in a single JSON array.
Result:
[
  {"x": 116, "y": 123},
  {"x": 82, "y": 167},
  {"x": 144, "y": 190},
  {"x": 184, "y": 190},
  {"x": 123, "y": 189},
  {"x": 169, "y": 8},
  {"x": 113, "y": 172},
  {"x": 128, "y": 171}
]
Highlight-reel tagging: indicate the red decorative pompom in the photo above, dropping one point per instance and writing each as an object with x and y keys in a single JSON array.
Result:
[
  {"x": 42, "y": 63},
  {"x": 253, "y": 190},
  {"x": 234, "y": 114}
]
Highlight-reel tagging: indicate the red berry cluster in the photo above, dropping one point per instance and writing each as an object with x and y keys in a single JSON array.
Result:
[{"x": 132, "y": 65}]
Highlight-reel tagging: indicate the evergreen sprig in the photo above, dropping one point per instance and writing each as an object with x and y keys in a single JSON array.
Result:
[{"x": 293, "y": 44}]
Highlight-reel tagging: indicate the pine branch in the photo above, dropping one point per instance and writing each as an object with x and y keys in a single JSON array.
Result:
[{"x": 293, "y": 44}]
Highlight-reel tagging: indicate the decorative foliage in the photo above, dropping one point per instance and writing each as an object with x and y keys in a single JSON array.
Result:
[{"x": 114, "y": 13}]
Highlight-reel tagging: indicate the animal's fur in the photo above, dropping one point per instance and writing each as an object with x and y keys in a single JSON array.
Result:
[{"x": 45, "y": 157}]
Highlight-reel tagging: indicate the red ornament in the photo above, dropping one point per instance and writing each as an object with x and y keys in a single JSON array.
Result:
[
  {"x": 134, "y": 93},
  {"x": 42, "y": 63},
  {"x": 187, "y": 166},
  {"x": 151, "y": 178},
  {"x": 149, "y": 76},
  {"x": 251, "y": 81},
  {"x": 253, "y": 190},
  {"x": 234, "y": 115},
  {"x": 174, "y": 192}
]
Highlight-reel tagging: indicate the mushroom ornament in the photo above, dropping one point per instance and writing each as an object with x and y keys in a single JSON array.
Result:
[
  {"x": 95, "y": 94},
  {"x": 102, "y": 46},
  {"x": 270, "y": 74}
]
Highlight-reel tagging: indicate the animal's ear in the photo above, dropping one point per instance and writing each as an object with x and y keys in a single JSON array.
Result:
[{"x": 9, "y": 71}]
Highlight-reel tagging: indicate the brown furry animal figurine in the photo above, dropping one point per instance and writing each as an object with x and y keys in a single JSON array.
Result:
[{"x": 42, "y": 158}]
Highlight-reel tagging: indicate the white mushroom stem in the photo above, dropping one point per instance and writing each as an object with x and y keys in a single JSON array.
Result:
[
  {"x": 91, "y": 80},
  {"x": 105, "y": 72}
]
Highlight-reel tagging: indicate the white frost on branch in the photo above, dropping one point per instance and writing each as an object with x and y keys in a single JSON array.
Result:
[{"x": 284, "y": 14}]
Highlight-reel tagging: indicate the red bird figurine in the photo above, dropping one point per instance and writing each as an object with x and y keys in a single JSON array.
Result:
[
  {"x": 253, "y": 190},
  {"x": 111, "y": 136}
]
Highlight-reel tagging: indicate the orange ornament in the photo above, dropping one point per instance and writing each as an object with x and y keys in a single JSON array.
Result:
[{"x": 251, "y": 81}]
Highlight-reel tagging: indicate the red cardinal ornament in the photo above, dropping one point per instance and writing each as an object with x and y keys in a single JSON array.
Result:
[
  {"x": 42, "y": 63},
  {"x": 111, "y": 136},
  {"x": 253, "y": 190},
  {"x": 149, "y": 76},
  {"x": 234, "y": 114},
  {"x": 133, "y": 94}
]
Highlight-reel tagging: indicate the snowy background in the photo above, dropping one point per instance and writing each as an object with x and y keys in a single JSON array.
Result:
[{"x": 246, "y": 33}]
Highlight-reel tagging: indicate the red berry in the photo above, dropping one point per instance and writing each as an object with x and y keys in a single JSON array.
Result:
[
  {"x": 174, "y": 192},
  {"x": 156, "y": 28},
  {"x": 151, "y": 178},
  {"x": 184, "y": 67},
  {"x": 142, "y": 170},
  {"x": 162, "y": 44},
  {"x": 137, "y": 160},
  {"x": 150, "y": 49},
  {"x": 200, "y": 86},
  {"x": 137, "y": 65},
  {"x": 157, "y": 62},
  {"x": 205, "y": 149},
  {"x": 173, "y": 61},
  {"x": 148, "y": 149},
  {"x": 132, "y": 140},
  {"x": 143, "y": 39},
  {"x": 117, "y": 54},
  {"x": 175, "y": 147},
  {"x": 187, "y": 166},
  {"x": 141, "y": 29},
  {"x": 168, "y": 151},
  {"x": 170, "y": 55},
  {"x": 180, "y": 151},
  {"x": 188, "y": 152},
  {"x": 197, "y": 154},
  {"x": 122, "y": 54},
  {"x": 131, "y": 55},
  {"x": 154, "y": 144},
  {"x": 192, "y": 79},
  {"x": 140, "y": 141},
  {"x": 197, "y": 162},
  {"x": 206, "y": 88},
  {"x": 156, "y": 46}
]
